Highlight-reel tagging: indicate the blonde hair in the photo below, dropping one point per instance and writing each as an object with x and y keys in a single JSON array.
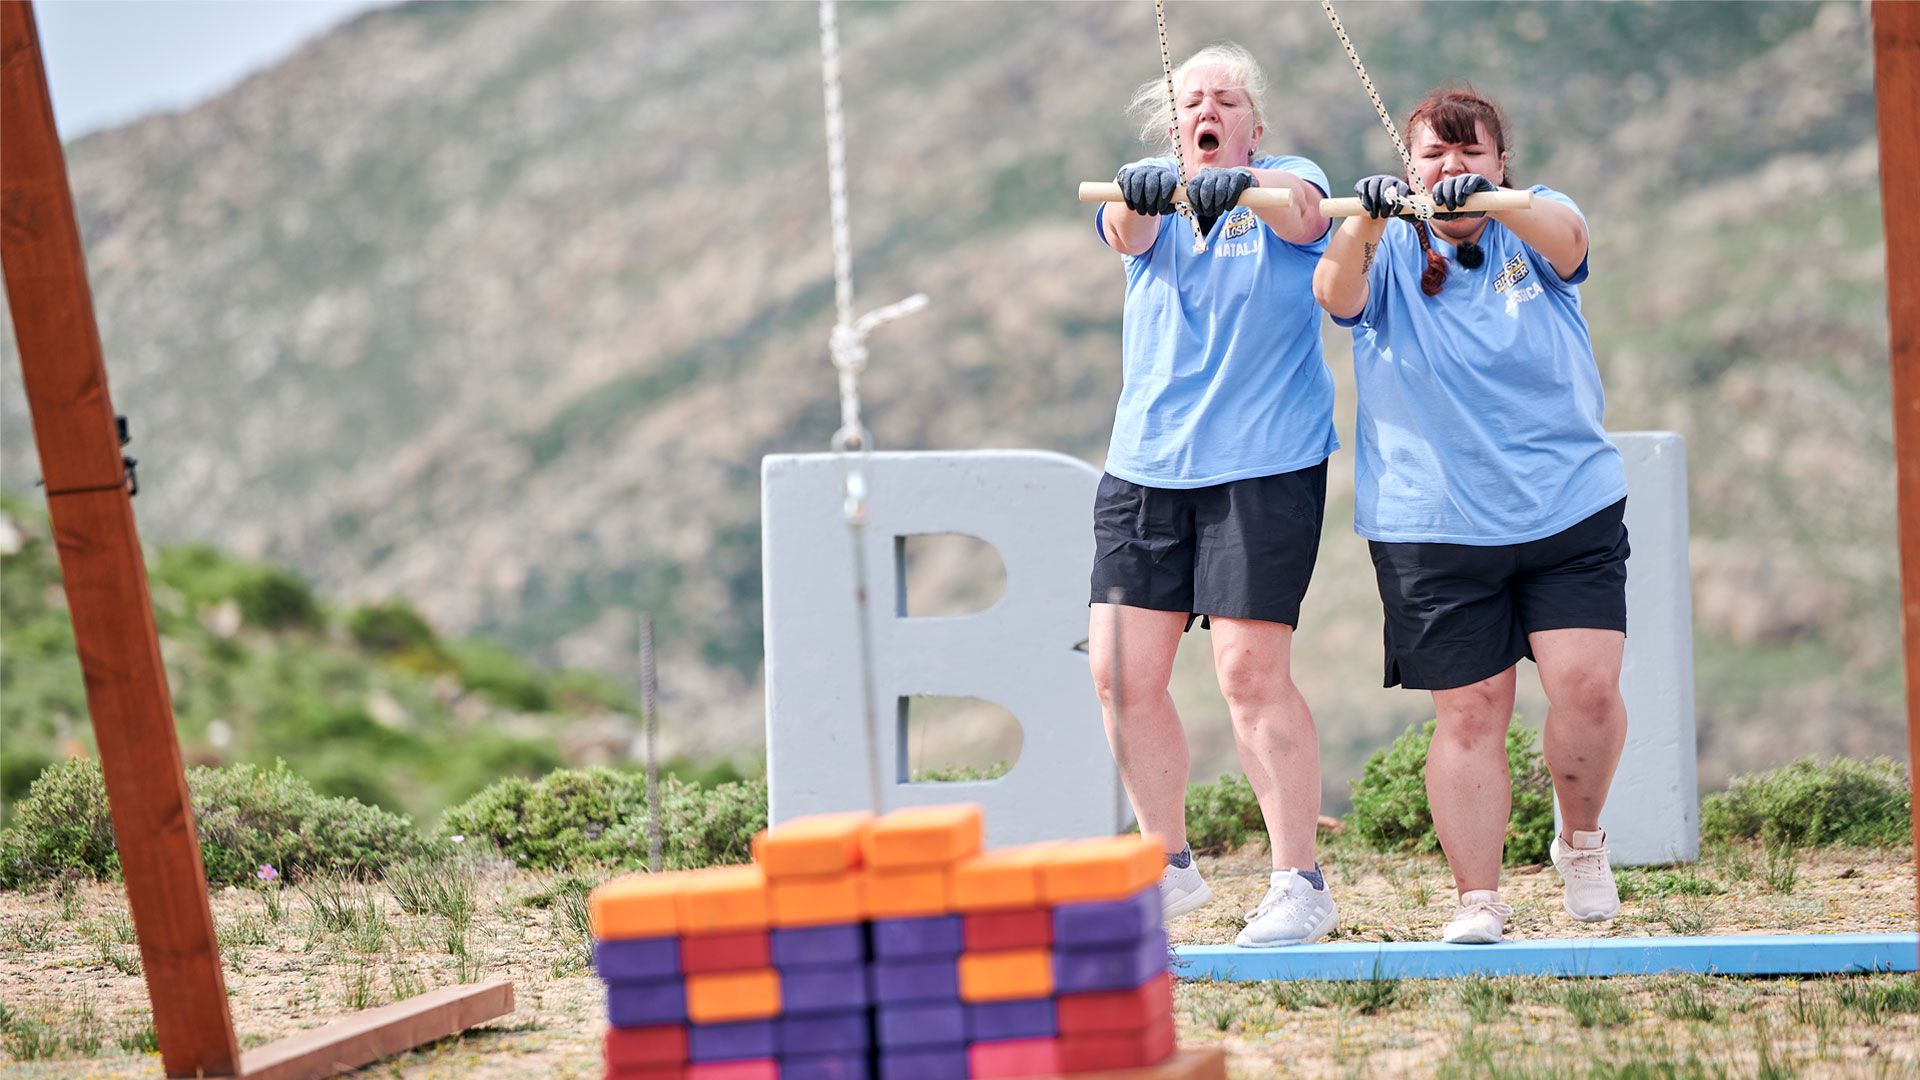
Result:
[{"x": 1155, "y": 113}]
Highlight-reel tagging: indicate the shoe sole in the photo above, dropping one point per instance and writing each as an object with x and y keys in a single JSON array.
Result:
[
  {"x": 1472, "y": 939},
  {"x": 1193, "y": 901},
  {"x": 1320, "y": 930},
  {"x": 1577, "y": 917}
]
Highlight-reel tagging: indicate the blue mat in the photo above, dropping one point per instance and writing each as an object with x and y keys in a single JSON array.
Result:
[{"x": 1777, "y": 954}]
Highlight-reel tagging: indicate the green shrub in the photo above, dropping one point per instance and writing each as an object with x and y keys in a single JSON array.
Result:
[
  {"x": 276, "y": 599},
  {"x": 392, "y": 627},
  {"x": 1391, "y": 813},
  {"x": 1223, "y": 815},
  {"x": 1842, "y": 801},
  {"x": 268, "y": 596},
  {"x": 246, "y": 816},
  {"x": 580, "y": 817},
  {"x": 493, "y": 672}
]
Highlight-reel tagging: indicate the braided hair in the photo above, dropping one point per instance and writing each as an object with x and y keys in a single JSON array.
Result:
[{"x": 1454, "y": 115}]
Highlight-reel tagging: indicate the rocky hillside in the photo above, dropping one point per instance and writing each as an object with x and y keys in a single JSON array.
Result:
[{"x": 496, "y": 307}]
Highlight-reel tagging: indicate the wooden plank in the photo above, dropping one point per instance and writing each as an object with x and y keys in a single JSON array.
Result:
[
  {"x": 1896, "y": 90},
  {"x": 371, "y": 1034},
  {"x": 1191, "y": 1063},
  {"x": 1755, "y": 954},
  {"x": 105, "y": 577}
]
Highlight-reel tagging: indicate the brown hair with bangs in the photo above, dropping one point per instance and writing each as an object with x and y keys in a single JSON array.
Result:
[{"x": 1455, "y": 115}]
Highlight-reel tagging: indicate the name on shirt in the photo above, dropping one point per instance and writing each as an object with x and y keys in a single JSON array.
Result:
[{"x": 1512, "y": 274}]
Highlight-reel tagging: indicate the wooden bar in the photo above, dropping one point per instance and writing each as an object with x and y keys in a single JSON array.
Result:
[
  {"x": 1092, "y": 191},
  {"x": 105, "y": 575},
  {"x": 1896, "y": 88},
  {"x": 1190, "y": 1063},
  {"x": 371, "y": 1034},
  {"x": 1485, "y": 202}
]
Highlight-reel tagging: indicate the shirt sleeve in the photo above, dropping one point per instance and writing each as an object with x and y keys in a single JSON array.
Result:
[
  {"x": 1312, "y": 174},
  {"x": 1540, "y": 265}
]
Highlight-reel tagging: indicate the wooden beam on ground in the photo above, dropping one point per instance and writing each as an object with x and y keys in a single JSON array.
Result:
[
  {"x": 104, "y": 573},
  {"x": 1756, "y": 954},
  {"x": 371, "y": 1034},
  {"x": 1896, "y": 92}
]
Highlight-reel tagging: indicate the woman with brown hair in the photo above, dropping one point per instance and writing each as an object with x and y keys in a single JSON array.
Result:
[{"x": 1489, "y": 493}]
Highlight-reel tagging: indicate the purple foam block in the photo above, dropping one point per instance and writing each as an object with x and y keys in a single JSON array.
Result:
[
  {"x": 820, "y": 946},
  {"x": 934, "y": 935},
  {"x": 1111, "y": 967},
  {"x": 741, "y": 1040},
  {"x": 825, "y": 1033},
  {"x": 1107, "y": 922},
  {"x": 645, "y": 1004},
  {"x": 1028, "y": 1018},
  {"x": 901, "y": 1027},
  {"x": 947, "y": 1063},
  {"x": 906, "y": 981},
  {"x": 826, "y": 1067},
  {"x": 637, "y": 959},
  {"x": 823, "y": 990}
]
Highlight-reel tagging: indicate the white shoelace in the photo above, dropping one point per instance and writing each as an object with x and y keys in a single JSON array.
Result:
[
  {"x": 1276, "y": 898},
  {"x": 1587, "y": 864},
  {"x": 1479, "y": 906}
]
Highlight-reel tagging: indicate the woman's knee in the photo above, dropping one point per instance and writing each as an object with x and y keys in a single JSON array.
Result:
[{"x": 1592, "y": 693}]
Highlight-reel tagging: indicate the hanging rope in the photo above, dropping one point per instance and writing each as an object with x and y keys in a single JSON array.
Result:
[
  {"x": 847, "y": 345},
  {"x": 1422, "y": 209},
  {"x": 1173, "y": 111}
]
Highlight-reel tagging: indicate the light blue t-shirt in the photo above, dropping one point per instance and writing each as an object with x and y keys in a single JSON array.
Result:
[
  {"x": 1224, "y": 374},
  {"x": 1480, "y": 409}
]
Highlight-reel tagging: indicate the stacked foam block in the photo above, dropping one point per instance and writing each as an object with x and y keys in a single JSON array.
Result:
[{"x": 893, "y": 948}]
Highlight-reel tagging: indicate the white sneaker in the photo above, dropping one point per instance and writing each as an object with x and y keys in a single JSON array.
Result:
[
  {"x": 1182, "y": 889},
  {"x": 1591, "y": 896},
  {"x": 1292, "y": 913},
  {"x": 1479, "y": 920}
]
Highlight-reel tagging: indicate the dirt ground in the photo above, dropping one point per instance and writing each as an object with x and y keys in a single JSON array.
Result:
[{"x": 72, "y": 1003}]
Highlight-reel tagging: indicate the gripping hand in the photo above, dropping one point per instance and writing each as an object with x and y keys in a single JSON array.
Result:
[
  {"x": 1213, "y": 192},
  {"x": 1380, "y": 194},
  {"x": 1451, "y": 194},
  {"x": 1148, "y": 188}
]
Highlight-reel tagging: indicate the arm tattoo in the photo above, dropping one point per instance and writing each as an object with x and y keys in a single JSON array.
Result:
[{"x": 1366, "y": 256}]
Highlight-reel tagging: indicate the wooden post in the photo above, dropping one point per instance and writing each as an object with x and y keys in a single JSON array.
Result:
[
  {"x": 1896, "y": 88},
  {"x": 106, "y": 584},
  {"x": 106, "y": 578}
]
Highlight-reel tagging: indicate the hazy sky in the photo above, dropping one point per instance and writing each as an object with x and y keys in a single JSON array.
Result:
[{"x": 109, "y": 61}]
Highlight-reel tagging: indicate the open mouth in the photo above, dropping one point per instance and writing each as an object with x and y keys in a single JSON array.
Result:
[{"x": 1209, "y": 142}]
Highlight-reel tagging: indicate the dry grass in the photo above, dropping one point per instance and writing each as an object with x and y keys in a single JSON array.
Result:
[{"x": 72, "y": 1003}]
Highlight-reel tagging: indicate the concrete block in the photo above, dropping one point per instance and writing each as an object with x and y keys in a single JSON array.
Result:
[
  {"x": 1023, "y": 654},
  {"x": 1653, "y": 809}
]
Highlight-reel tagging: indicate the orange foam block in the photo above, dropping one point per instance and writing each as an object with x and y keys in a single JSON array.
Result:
[
  {"x": 733, "y": 995},
  {"x": 723, "y": 899},
  {"x": 1108, "y": 869},
  {"x": 636, "y": 906},
  {"x": 923, "y": 836},
  {"x": 1006, "y": 975},
  {"x": 900, "y": 894},
  {"x": 810, "y": 846},
  {"x": 818, "y": 900},
  {"x": 1005, "y": 879}
]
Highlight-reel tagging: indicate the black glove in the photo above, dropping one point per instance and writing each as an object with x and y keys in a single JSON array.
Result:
[
  {"x": 1148, "y": 189},
  {"x": 1213, "y": 192},
  {"x": 1450, "y": 193},
  {"x": 1380, "y": 194}
]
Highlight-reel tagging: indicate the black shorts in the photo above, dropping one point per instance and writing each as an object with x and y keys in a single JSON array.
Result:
[
  {"x": 1240, "y": 550},
  {"x": 1457, "y": 614}
]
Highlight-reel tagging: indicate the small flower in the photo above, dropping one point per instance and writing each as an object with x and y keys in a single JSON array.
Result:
[
  {"x": 459, "y": 838},
  {"x": 267, "y": 873}
]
